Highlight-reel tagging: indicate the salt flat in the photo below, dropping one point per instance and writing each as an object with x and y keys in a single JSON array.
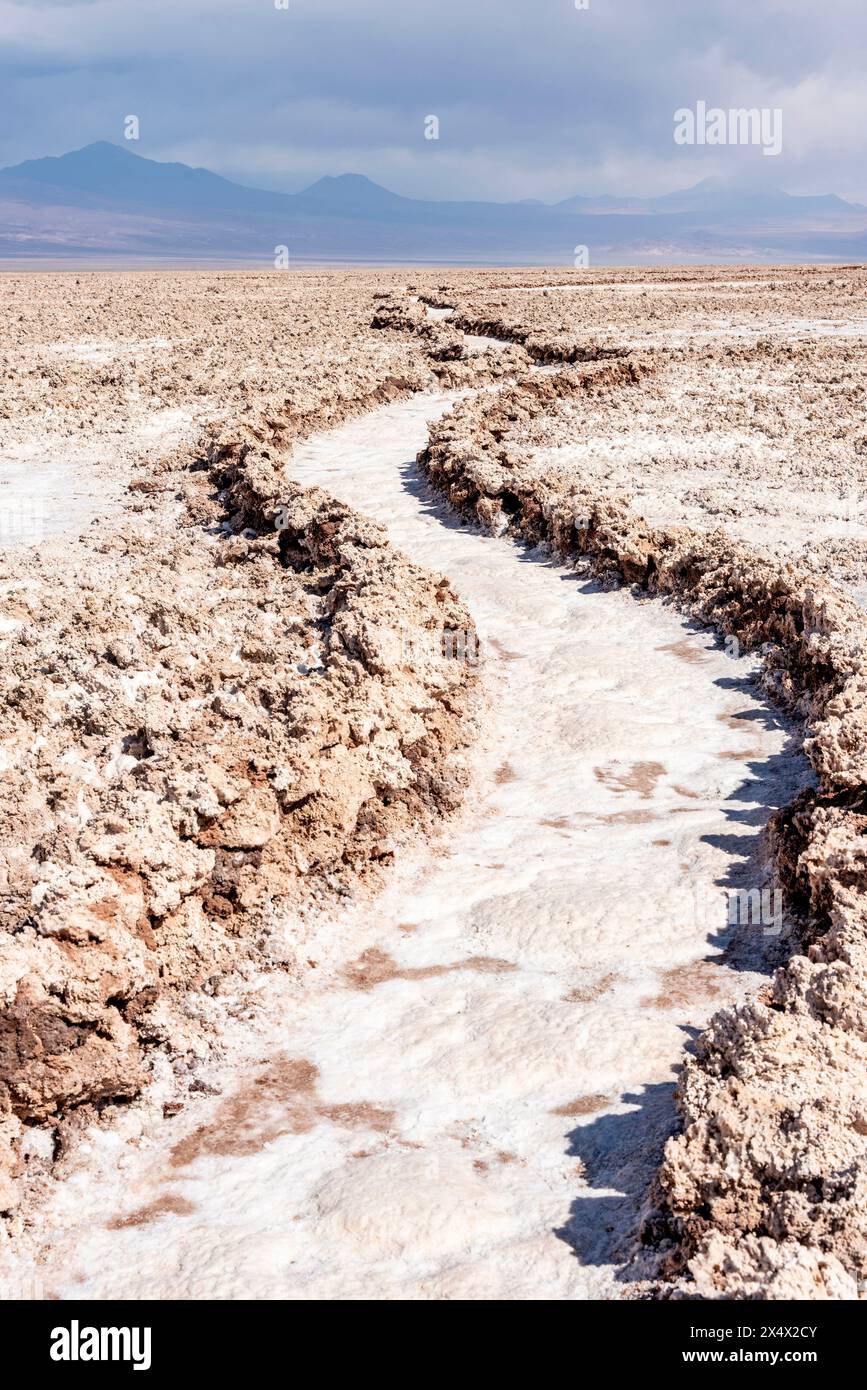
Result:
[
  {"x": 360, "y": 967},
  {"x": 468, "y": 1094}
]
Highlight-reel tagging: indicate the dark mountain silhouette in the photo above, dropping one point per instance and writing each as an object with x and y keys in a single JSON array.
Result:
[
  {"x": 104, "y": 202},
  {"x": 349, "y": 193}
]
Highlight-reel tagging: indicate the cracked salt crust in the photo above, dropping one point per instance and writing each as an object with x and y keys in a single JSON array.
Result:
[
  {"x": 59, "y": 485},
  {"x": 480, "y": 1064}
]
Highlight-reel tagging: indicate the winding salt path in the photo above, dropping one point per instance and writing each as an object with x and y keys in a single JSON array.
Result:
[{"x": 466, "y": 1091}]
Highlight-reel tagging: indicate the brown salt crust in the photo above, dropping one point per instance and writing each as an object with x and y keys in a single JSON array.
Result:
[
  {"x": 444, "y": 339},
  {"x": 623, "y": 308},
  {"x": 445, "y": 346},
  {"x": 213, "y": 331},
  {"x": 205, "y": 732},
  {"x": 214, "y": 824},
  {"x": 539, "y": 347},
  {"x": 764, "y": 1193}
]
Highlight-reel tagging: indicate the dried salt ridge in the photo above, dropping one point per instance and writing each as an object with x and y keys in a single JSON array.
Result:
[
  {"x": 450, "y": 350},
  {"x": 764, "y": 1194},
  {"x": 166, "y": 797},
  {"x": 409, "y": 371},
  {"x": 537, "y": 347},
  {"x": 137, "y": 854},
  {"x": 623, "y": 310},
  {"x": 466, "y": 1091}
]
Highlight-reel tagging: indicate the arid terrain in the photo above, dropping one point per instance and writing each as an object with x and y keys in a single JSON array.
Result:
[{"x": 403, "y": 673}]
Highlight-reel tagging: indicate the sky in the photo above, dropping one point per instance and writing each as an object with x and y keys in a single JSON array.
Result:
[{"x": 534, "y": 98}]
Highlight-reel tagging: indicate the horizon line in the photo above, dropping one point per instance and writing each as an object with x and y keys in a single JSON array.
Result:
[{"x": 740, "y": 182}]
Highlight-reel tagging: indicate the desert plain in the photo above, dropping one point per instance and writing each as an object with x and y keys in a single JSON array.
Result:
[{"x": 434, "y": 739}]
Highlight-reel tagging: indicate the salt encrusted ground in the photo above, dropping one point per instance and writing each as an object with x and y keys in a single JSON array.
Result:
[
  {"x": 425, "y": 1021},
  {"x": 467, "y": 1092}
]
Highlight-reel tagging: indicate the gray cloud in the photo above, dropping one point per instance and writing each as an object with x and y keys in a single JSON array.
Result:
[{"x": 534, "y": 97}]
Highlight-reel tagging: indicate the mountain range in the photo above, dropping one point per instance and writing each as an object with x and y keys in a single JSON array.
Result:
[{"x": 103, "y": 204}]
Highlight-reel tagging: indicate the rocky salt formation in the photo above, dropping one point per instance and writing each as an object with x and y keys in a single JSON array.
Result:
[
  {"x": 230, "y": 697},
  {"x": 637, "y": 309},
  {"x": 764, "y": 1193},
  {"x": 440, "y": 1103},
  {"x": 167, "y": 678},
  {"x": 202, "y": 729},
  {"x": 445, "y": 343}
]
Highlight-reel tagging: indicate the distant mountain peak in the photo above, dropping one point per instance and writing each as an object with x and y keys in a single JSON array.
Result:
[
  {"x": 346, "y": 189},
  {"x": 99, "y": 154},
  {"x": 102, "y": 149},
  {"x": 107, "y": 197},
  {"x": 346, "y": 181}
]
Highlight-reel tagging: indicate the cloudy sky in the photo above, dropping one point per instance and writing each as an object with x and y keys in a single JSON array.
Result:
[{"x": 535, "y": 98}]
